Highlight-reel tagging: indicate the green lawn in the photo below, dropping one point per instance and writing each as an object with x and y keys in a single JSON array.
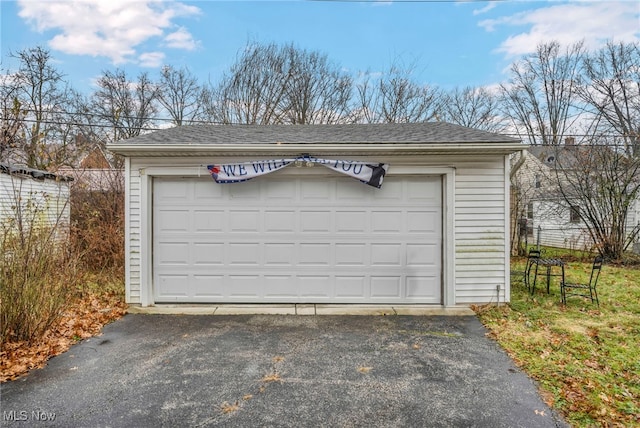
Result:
[{"x": 586, "y": 359}]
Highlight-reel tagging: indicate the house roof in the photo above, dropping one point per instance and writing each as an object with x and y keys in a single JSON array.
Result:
[
  {"x": 407, "y": 137},
  {"x": 569, "y": 156},
  {"x": 35, "y": 173}
]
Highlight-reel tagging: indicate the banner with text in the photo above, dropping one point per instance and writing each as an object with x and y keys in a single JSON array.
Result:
[{"x": 369, "y": 173}]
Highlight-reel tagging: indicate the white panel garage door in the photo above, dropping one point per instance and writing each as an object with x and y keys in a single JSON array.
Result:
[{"x": 297, "y": 238}]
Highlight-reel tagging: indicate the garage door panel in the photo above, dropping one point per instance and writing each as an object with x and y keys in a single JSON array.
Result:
[
  {"x": 243, "y": 253},
  {"x": 280, "y": 221},
  {"x": 173, "y": 287},
  {"x": 351, "y": 221},
  {"x": 208, "y": 254},
  {"x": 386, "y": 288},
  {"x": 423, "y": 222},
  {"x": 297, "y": 239},
  {"x": 243, "y": 286},
  {"x": 386, "y": 254},
  {"x": 281, "y": 190},
  {"x": 350, "y": 287},
  {"x": 251, "y": 193},
  {"x": 172, "y": 253},
  {"x": 280, "y": 287},
  {"x": 208, "y": 286},
  {"x": 244, "y": 220},
  {"x": 280, "y": 254},
  {"x": 391, "y": 192},
  {"x": 352, "y": 193},
  {"x": 315, "y": 286},
  {"x": 386, "y": 221},
  {"x": 316, "y": 254},
  {"x": 419, "y": 190},
  {"x": 315, "y": 221},
  {"x": 421, "y": 255},
  {"x": 173, "y": 220},
  {"x": 315, "y": 190},
  {"x": 204, "y": 192},
  {"x": 208, "y": 220},
  {"x": 175, "y": 191},
  {"x": 348, "y": 254},
  {"x": 422, "y": 287}
]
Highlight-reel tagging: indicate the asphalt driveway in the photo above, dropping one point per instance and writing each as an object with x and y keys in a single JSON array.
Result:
[{"x": 273, "y": 370}]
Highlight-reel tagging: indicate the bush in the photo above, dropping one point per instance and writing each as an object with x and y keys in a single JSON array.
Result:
[
  {"x": 97, "y": 232},
  {"x": 45, "y": 265},
  {"x": 37, "y": 277}
]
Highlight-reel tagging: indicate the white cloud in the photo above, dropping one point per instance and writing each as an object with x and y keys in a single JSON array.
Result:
[
  {"x": 181, "y": 39},
  {"x": 114, "y": 28},
  {"x": 593, "y": 22},
  {"x": 151, "y": 59},
  {"x": 490, "y": 5}
]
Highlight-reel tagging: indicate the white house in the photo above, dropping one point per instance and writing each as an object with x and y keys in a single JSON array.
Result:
[
  {"x": 551, "y": 220},
  {"x": 33, "y": 197},
  {"x": 435, "y": 232}
]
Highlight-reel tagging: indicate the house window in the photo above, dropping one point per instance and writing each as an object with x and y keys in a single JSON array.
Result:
[
  {"x": 538, "y": 182},
  {"x": 574, "y": 214},
  {"x": 530, "y": 219}
]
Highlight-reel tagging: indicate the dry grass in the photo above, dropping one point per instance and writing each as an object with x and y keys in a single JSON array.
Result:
[
  {"x": 585, "y": 358},
  {"x": 227, "y": 408},
  {"x": 271, "y": 377}
]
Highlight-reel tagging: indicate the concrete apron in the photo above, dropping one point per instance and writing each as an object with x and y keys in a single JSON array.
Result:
[{"x": 300, "y": 309}]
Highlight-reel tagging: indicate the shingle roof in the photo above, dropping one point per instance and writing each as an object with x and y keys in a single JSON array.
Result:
[
  {"x": 35, "y": 173},
  {"x": 427, "y": 132}
]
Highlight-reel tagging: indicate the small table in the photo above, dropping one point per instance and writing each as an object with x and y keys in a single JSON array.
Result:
[{"x": 548, "y": 264}]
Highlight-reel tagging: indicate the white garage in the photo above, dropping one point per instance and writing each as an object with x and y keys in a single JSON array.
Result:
[{"x": 435, "y": 232}]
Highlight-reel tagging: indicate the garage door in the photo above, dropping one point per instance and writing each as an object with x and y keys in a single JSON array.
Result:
[{"x": 297, "y": 238}]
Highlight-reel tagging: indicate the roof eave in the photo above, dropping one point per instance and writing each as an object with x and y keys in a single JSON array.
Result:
[{"x": 159, "y": 150}]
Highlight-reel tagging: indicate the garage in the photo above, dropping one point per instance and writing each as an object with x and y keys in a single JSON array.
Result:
[
  {"x": 207, "y": 224},
  {"x": 298, "y": 238}
]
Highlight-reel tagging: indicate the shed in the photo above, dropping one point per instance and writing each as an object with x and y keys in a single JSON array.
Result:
[
  {"x": 436, "y": 231},
  {"x": 33, "y": 197}
]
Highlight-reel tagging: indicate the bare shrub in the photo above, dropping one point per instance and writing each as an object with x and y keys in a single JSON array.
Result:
[
  {"x": 97, "y": 230},
  {"x": 37, "y": 278},
  {"x": 37, "y": 274}
]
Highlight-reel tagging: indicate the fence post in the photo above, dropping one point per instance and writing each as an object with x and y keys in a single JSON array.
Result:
[{"x": 538, "y": 239}]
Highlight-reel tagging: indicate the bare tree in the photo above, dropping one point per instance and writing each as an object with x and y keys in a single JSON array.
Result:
[
  {"x": 612, "y": 90},
  {"x": 539, "y": 97},
  {"x": 316, "y": 90},
  {"x": 35, "y": 104},
  {"x": 12, "y": 120},
  {"x": 281, "y": 84},
  {"x": 251, "y": 92},
  {"x": 600, "y": 183},
  {"x": 180, "y": 94},
  {"x": 127, "y": 108},
  {"x": 473, "y": 107},
  {"x": 394, "y": 97}
]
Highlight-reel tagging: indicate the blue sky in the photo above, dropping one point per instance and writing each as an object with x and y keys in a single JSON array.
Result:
[{"x": 449, "y": 43}]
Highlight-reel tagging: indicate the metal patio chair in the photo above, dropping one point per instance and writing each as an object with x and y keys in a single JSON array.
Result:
[
  {"x": 522, "y": 276},
  {"x": 532, "y": 260},
  {"x": 587, "y": 290}
]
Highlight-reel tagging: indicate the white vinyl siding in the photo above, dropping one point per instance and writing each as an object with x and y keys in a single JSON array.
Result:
[
  {"x": 39, "y": 201},
  {"x": 552, "y": 227},
  {"x": 134, "y": 239},
  {"x": 480, "y": 230}
]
